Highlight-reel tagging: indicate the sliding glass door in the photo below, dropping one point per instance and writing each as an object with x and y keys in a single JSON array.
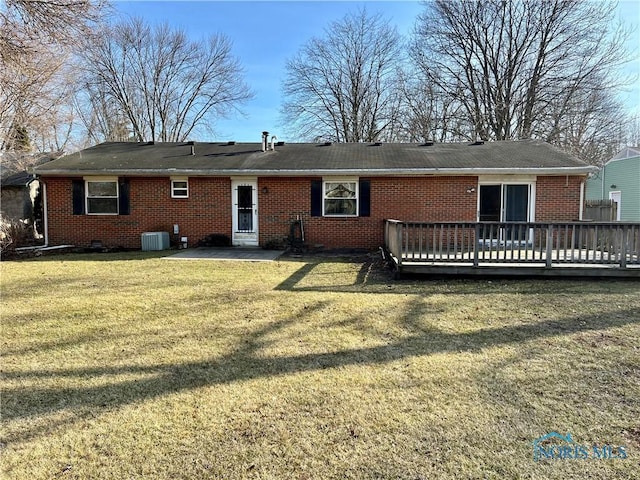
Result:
[{"x": 506, "y": 203}]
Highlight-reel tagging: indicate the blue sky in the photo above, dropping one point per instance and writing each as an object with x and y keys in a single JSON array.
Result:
[{"x": 267, "y": 33}]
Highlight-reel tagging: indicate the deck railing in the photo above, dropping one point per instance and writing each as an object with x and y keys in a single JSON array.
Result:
[{"x": 546, "y": 244}]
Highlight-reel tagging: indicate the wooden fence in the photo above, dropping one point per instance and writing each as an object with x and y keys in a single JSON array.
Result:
[{"x": 600, "y": 210}]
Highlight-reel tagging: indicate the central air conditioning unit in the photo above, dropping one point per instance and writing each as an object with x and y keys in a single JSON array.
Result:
[{"x": 155, "y": 241}]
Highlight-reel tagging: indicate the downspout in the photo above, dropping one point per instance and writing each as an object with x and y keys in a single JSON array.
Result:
[
  {"x": 45, "y": 218},
  {"x": 45, "y": 213},
  {"x": 581, "y": 200}
]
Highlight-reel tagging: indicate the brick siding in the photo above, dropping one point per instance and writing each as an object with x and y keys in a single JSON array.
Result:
[
  {"x": 206, "y": 211},
  {"x": 558, "y": 198},
  {"x": 282, "y": 200},
  {"x": 404, "y": 198}
]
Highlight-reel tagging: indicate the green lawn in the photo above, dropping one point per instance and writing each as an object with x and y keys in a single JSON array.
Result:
[{"x": 123, "y": 366}]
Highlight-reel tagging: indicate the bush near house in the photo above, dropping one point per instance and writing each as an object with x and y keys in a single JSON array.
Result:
[{"x": 13, "y": 234}]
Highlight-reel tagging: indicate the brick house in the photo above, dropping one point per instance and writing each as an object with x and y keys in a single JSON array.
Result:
[{"x": 342, "y": 193}]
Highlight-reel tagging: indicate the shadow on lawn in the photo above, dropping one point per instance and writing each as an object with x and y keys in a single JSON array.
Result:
[
  {"x": 245, "y": 363},
  {"x": 374, "y": 277},
  {"x": 80, "y": 255}
]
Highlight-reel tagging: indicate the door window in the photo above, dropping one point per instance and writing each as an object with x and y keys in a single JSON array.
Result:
[
  {"x": 516, "y": 209},
  {"x": 245, "y": 208},
  {"x": 490, "y": 203},
  {"x": 516, "y": 203}
]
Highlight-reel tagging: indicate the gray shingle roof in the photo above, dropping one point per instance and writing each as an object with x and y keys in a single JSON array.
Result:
[
  {"x": 523, "y": 156},
  {"x": 19, "y": 179}
]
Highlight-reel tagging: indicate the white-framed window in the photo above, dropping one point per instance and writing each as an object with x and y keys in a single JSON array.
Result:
[
  {"x": 340, "y": 197},
  {"x": 102, "y": 196},
  {"x": 179, "y": 187}
]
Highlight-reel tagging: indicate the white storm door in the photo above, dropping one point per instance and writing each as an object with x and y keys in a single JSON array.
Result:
[{"x": 244, "y": 198}]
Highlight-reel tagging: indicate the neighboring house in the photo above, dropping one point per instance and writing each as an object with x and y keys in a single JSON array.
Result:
[
  {"x": 21, "y": 200},
  {"x": 619, "y": 180},
  {"x": 21, "y": 205},
  {"x": 341, "y": 192},
  {"x": 19, "y": 192}
]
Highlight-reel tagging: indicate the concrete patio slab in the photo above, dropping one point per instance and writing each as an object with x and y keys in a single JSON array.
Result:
[{"x": 232, "y": 253}]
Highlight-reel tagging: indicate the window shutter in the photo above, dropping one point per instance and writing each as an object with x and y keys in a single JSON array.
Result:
[
  {"x": 78, "y": 197},
  {"x": 365, "y": 198},
  {"x": 316, "y": 198},
  {"x": 123, "y": 196}
]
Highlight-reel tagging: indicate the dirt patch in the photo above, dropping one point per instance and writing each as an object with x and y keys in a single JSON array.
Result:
[
  {"x": 633, "y": 434},
  {"x": 599, "y": 340}
]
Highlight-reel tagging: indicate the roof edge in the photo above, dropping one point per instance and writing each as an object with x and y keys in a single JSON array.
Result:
[
  {"x": 625, "y": 154},
  {"x": 582, "y": 170}
]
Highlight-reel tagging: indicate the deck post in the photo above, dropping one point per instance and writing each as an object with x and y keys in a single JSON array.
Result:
[
  {"x": 549, "y": 246},
  {"x": 399, "y": 242},
  {"x": 623, "y": 246},
  {"x": 476, "y": 246}
]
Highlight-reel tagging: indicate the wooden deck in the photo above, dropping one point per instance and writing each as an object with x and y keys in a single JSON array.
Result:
[{"x": 514, "y": 248}]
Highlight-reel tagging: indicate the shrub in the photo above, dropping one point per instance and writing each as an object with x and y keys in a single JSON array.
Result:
[{"x": 12, "y": 235}]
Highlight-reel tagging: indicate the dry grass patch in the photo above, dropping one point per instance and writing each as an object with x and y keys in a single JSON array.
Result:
[{"x": 131, "y": 366}]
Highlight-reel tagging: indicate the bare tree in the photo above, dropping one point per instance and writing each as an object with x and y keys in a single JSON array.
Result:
[
  {"x": 523, "y": 69},
  {"x": 162, "y": 83},
  {"x": 631, "y": 131},
  {"x": 28, "y": 25},
  {"x": 343, "y": 86},
  {"x": 102, "y": 119},
  {"x": 36, "y": 43},
  {"x": 36, "y": 112},
  {"x": 428, "y": 113},
  {"x": 585, "y": 123}
]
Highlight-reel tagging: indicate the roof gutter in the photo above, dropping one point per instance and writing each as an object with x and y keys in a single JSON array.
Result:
[{"x": 583, "y": 170}]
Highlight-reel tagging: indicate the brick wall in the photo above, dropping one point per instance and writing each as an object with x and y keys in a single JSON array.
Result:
[
  {"x": 282, "y": 200},
  {"x": 403, "y": 198},
  {"x": 206, "y": 211},
  {"x": 558, "y": 198}
]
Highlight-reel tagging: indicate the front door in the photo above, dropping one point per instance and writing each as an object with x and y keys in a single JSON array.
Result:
[{"x": 244, "y": 195}]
